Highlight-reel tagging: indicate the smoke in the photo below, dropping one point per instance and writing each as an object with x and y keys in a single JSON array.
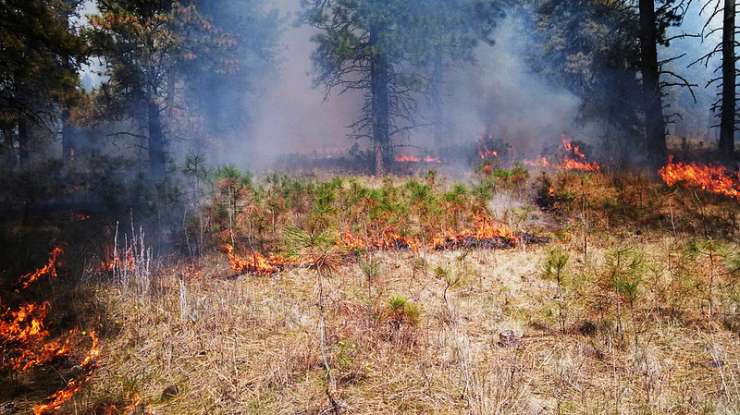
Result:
[
  {"x": 294, "y": 115},
  {"x": 501, "y": 96},
  {"x": 498, "y": 94}
]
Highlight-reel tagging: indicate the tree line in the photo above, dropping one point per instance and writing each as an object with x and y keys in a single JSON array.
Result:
[{"x": 163, "y": 62}]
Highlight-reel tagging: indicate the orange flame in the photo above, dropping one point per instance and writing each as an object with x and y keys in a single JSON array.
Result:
[
  {"x": 23, "y": 337},
  {"x": 63, "y": 395},
  {"x": 486, "y": 232},
  {"x": 254, "y": 262},
  {"x": 118, "y": 262},
  {"x": 485, "y": 229},
  {"x": 712, "y": 179},
  {"x": 50, "y": 268},
  {"x": 578, "y": 163},
  {"x": 570, "y": 164}
]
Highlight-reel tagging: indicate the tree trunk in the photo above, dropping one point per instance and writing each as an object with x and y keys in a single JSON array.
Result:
[
  {"x": 69, "y": 139},
  {"x": 23, "y": 141},
  {"x": 727, "y": 125},
  {"x": 380, "y": 104},
  {"x": 9, "y": 161},
  {"x": 156, "y": 141},
  {"x": 654, "y": 121}
]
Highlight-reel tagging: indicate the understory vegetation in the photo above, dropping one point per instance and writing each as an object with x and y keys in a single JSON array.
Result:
[{"x": 625, "y": 299}]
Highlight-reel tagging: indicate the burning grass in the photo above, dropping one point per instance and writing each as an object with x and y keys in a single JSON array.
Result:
[
  {"x": 250, "y": 218},
  {"x": 433, "y": 331},
  {"x": 709, "y": 178},
  {"x": 396, "y": 296},
  {"x": 25, "y": 343}
]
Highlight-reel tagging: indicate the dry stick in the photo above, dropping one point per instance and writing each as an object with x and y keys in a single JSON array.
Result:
[
  {"x": 584, "y": 221},
  {"x": 330, "y": 383}
]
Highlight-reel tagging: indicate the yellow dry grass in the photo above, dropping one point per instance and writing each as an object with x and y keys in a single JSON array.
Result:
[{"x": 251, "y": 346}]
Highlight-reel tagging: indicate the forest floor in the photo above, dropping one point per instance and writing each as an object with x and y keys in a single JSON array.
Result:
[{"x": 610, "y": 316}]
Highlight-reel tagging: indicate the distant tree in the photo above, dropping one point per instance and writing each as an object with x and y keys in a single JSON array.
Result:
[
  {"x": 729, "y": 77},
  {"x": 385, "y": 49},
  {"x": 592, "y": 48},
  {"x": 40, "y": 55},
  {"x": 655, "y": 126},
  {"x": 144, "y": 43},
  {"x": 219, "y": 80},
  {"x": 453, "y": 29},
  {"x": 607, "y": 52},
  {"x": 727, "y": 100}
]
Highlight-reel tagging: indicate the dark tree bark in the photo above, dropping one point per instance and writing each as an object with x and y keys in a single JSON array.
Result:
[
  {"x": 156, "y": 141},
  {"x": 380, "y": 95},
  {"x": 24, "y": 139},
  {"x": 727, "y": 124},
  {"x": 69, "y": 138},
  {"x": 8, "y": 143},
  {"x": 655, "y": 128}
]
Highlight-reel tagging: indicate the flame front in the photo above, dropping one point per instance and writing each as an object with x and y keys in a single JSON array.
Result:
[
  {"x": 575, "y": 159},
  {"x": 23, "y": 340},
  {"x": 712, "y": 179},
  {"x": 486, "y": 233},
  {"x": 49, "y": 269},
  {"x": 116, "y": 261},
  {"x": 63, "y": 395},
  {"x": 254, "y": 262}
]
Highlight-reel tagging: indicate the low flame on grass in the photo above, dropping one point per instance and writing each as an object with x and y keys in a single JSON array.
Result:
[
  {"x": 485, "y": 230},
  {"x": 23, "y": 340},
  {"x": 23, "y": 334},
  {"x": 60, "y": 397},
  {"x": 254, "y": 262},
  {"x": 575, "y": 159},
  {"x": 709, "y": 178},
  {"x": 117, "y": 261},
  {"x": 49, "y": 269},
  {"x": 486, "y": 233}
]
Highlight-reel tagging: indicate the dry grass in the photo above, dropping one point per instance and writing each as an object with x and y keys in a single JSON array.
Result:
[
  {"x": 477, "y": 332},
  {"x": 251, "y": 345}
]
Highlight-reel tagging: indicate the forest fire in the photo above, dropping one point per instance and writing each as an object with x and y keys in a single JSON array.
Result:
[
  {"x": 116, "y": 261},
  {"x": 254, "y": 262},
  {"x": 87, "y": 365},
  {"x": 575, "y": 159},
  {"x": 387, "y": 240},
  {"x": 23, "y": 334},
  {"x": 487, "y": 147},
  {"x": 713, "y": 179},
  {"x": 23, "y": 337},
  {"x": 571, "y": 157},
  {"x": 50, "y": 268},
  {"x": 485, "y": 234}
]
